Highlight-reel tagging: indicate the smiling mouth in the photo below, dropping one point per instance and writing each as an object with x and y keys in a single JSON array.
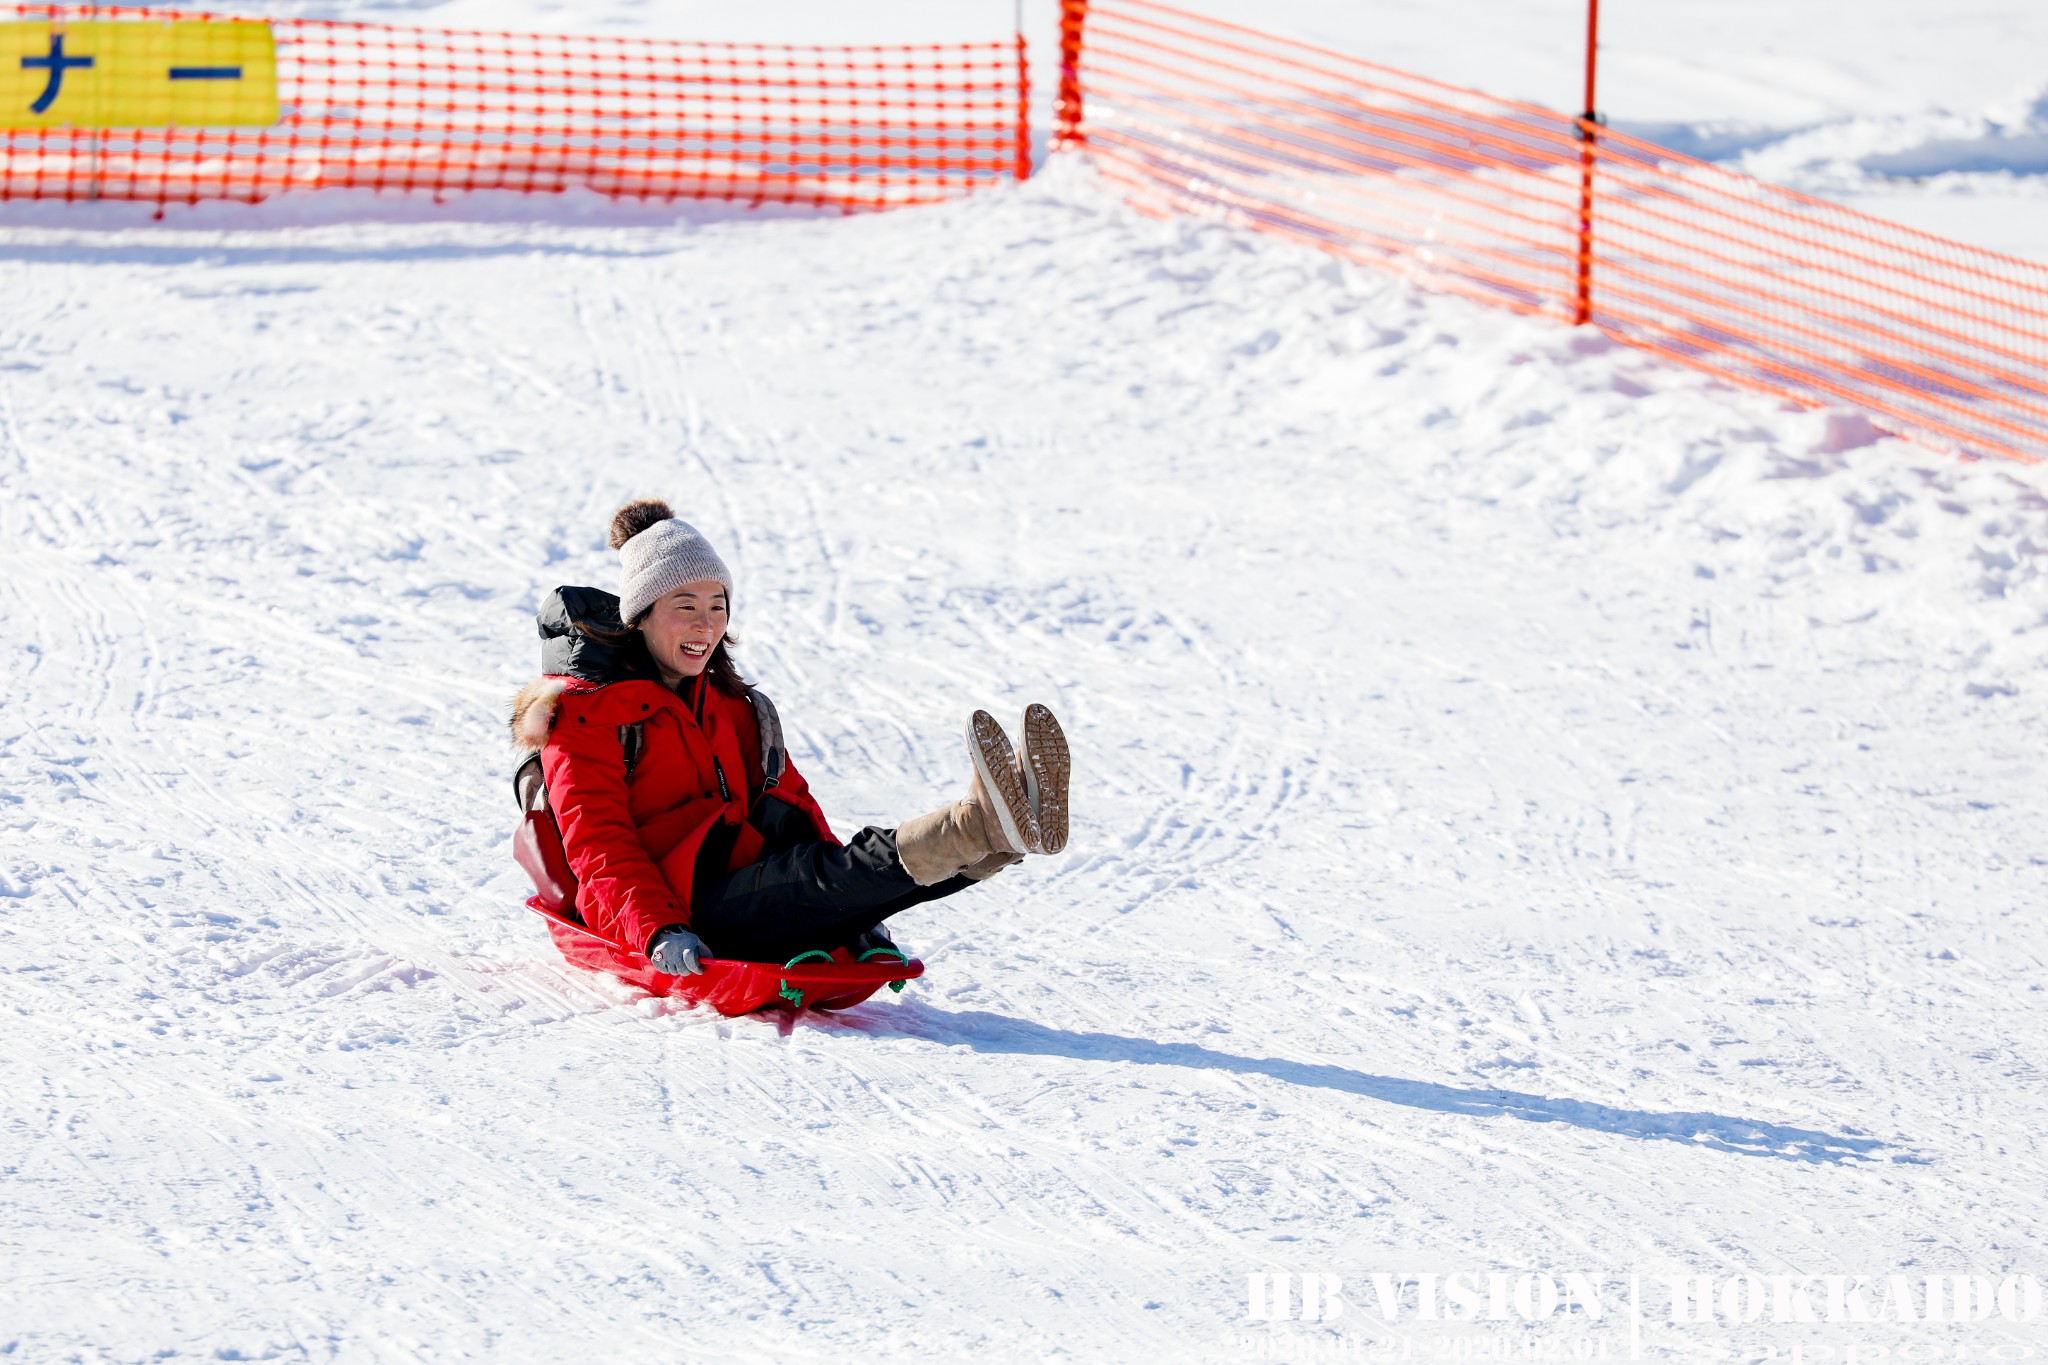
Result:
[{"x": 696, "y": 651}]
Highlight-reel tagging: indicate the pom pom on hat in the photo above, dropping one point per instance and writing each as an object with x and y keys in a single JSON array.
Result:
[{"x": 635, "y": 517}]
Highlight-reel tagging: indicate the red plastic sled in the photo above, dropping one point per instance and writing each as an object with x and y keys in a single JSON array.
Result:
[{"x": 727, "y": 985}]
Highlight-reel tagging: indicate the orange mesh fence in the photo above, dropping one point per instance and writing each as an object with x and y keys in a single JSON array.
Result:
[
  {"x": 1523, "y": 207},
  {"x": 372, "y": 107}
]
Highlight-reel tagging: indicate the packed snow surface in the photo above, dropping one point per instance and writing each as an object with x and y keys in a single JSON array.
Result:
[{"x": 1536, "y": 810}]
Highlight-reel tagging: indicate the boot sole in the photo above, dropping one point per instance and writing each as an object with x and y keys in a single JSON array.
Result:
[
  {"x": 995, "y": 762},
  {"x": 1047, "y": 766}
]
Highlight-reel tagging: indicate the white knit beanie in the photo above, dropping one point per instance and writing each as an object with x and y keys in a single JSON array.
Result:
[{"x": 660, "y": 554}]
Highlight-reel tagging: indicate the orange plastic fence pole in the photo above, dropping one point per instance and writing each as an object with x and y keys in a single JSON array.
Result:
[
  {"x": 1588, "y": 121},
  {"x": 1023, "y": 110},
  {"x": 1067, "y": 108}
]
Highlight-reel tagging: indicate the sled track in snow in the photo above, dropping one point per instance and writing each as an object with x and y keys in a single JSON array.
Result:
[{"x": 1536, "y": 810}]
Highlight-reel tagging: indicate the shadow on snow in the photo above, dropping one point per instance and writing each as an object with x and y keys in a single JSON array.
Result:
[{"x": 995, "y": 1033}]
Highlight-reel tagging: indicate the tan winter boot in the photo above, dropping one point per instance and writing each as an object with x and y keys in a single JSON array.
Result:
[
  {"x": 999, "y": 784},
  {"x": 984, "y": 830},
  {"x": 989, "y": 866},
  {"x": 1046, "y": 765},
  {"x": 936, "y": 846}
]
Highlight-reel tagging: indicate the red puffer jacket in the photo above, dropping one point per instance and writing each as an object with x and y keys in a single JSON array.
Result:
[{"x": 634, "y": 842}]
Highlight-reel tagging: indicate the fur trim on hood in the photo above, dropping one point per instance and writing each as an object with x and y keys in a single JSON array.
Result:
[{"x": 533, "y": 712}]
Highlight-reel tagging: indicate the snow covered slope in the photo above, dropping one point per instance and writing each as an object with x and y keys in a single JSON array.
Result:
[{"x": 1537, "y": 810}]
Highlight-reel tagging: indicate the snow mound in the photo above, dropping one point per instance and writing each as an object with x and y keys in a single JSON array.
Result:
[
  {"x": 1975, "y": 177},
  {"x": 1999, "y": 142}
]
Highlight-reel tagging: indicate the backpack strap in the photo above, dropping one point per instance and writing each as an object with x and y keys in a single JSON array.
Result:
[
  {"x": 528, "y": 783},
  {"x": 774, "y": 757}
]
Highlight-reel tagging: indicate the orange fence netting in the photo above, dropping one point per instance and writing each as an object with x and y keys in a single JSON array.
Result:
[
  {"x": 373, "y": 107},
  {"x": 1508, "y": 203},
  {"x": 1537, "y": 211}
]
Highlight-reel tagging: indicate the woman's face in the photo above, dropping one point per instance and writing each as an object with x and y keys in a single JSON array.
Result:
[{"x": 683, "y": 628}]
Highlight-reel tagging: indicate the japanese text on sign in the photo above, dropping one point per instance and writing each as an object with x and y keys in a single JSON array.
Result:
[{"x": 184, "y": 73}]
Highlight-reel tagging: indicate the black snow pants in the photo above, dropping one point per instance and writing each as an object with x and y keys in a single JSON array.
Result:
[{"x": 805, "y": 896}]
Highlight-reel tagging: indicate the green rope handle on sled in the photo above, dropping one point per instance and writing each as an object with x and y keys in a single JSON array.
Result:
[
  {"x": 896, "y": 986},
  {"x": 794, "y": 994}
]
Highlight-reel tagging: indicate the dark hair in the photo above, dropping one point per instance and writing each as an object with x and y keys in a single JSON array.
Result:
[{"x": 634, "y": 660}]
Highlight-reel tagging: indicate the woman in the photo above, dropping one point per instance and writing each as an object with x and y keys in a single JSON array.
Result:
[{"x": 682, "y": 840}]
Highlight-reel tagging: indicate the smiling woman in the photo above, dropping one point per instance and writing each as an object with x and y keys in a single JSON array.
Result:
[
  {"x": 685, "y": 840},
  {"x": 685, "y": 629}
]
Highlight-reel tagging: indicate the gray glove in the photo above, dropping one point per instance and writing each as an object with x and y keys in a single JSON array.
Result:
[{"x": 677, "y": 951}]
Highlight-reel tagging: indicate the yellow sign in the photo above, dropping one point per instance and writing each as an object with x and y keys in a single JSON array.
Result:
[{"x": 138, "y": 74}]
